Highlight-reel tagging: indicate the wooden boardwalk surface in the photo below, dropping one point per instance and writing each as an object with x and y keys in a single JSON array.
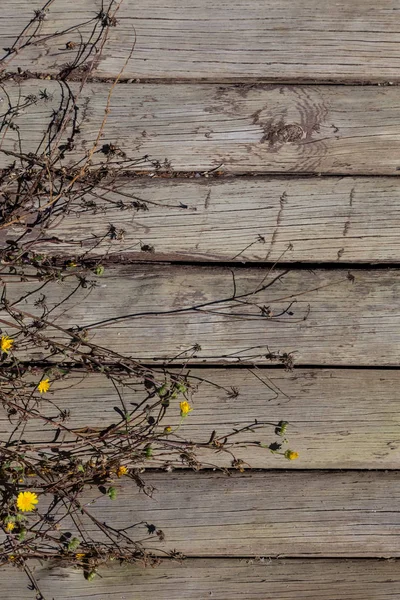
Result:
[
  {"x": 325, "y": 219},
  {"x": 275, "y": 514},
  {"x": 339, "y": 418},
  {"x": 277, "y": 125},
  {"x": 276, "y": 40},
  {"x": 338, "y": 319},
  {"x": 340, "y": 130},
  {"x": 196, "y": 579}
]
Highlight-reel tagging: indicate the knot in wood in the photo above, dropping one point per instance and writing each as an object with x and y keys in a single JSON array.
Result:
[{"x": 289, "y": 133}]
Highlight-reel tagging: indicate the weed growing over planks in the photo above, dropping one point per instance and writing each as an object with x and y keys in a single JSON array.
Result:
[
  {"x": 56, "y": 465},
  {"x": 55, "y": 468}
]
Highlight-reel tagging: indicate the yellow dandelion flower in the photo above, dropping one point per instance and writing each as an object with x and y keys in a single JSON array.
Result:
[
  {"x": 26, "y": 501},
  {"x": 185, "y": 408},
  {"x": 122, "y": 470},
  {"x": 80, "y": 555},
  {"x": 167, "y": 429},
  {"x": 44, "y": 386},
  {"x": 291, "y": 455},
  {"x": 6, "y": 343},
  {"x": 10, "y": 526}
]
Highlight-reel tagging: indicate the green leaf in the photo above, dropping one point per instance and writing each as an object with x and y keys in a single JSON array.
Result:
[
  {"x": 99, "y": 270},
  {"x": 112, "y": 493},
  {"x": 73, "y": 544},
  {"x": 163, "y": 390}
]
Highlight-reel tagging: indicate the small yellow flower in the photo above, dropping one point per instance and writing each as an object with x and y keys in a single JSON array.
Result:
[
  {"x": 291, "y": 455},
  {"x": 10, "y": 526},
  {"x": 185, "y": 408},
  {"x": 122, "y": 470},
  {"x": 6, "y": 343},
  {"x": 80, "y": 555},
  {"x": 26, "y": 501},
  {"x": 168, "y": 429},
  {"x": 44, "y": 386}
]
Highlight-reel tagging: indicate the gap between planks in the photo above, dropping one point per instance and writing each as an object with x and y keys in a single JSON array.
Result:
[{"x": 19, "y": 76}]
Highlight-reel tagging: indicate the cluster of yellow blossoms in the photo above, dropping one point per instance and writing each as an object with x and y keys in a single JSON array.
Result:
[
  {"x": 26, "y": 502},
  {"x": 6, "y": 344}
]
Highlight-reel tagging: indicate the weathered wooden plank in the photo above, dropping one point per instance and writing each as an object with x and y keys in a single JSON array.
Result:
[
  {"x": 218, "y": 579},
  {"x": 275, "y": 39},
  {"x": 338, "y": 418},
  {"x": 264, "y": 129},
  {"x": 265, "y": 513},
  {"x": 324, "y": 219},
  {"x": 336, "y": 320}
]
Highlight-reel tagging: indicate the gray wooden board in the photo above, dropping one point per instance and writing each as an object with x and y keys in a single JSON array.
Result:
[
  {"x": 348, "y": 323},
  {"x": 325, "y": 219},
  {"x": 337, "y": 418},
  {"x": 263, "y": 129},
  {"x": 260, "y": 513},
  {"x": 277, "y": 39},
  {"x": 219, "y": 579}
]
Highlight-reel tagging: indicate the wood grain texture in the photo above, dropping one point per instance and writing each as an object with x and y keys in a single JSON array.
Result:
[
  {"x": 266, "y": 513},
  {"x": 260, "y": 129},
  {"x": 338, "y": 418},
  {"x": 219, "y": 579},
  {"x": 350, "y": 322},
  {"x": 325, "y": 219},
  {"x": 276, "y": 39}
]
